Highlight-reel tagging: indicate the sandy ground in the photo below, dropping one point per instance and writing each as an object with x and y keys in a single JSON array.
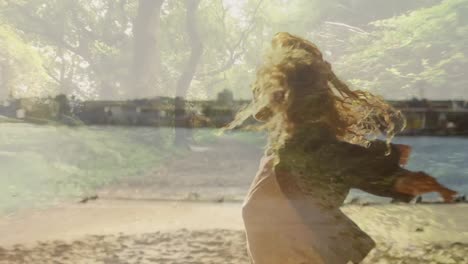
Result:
[{"x": 114, "y": 231}]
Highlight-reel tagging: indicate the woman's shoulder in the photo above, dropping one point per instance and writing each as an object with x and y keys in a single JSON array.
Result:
[{"x": 265, "y": 167}]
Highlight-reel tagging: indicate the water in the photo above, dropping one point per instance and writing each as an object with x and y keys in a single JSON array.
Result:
[
  {"x": 442, "y": 157},
  {"x": 43, "y": 165}
]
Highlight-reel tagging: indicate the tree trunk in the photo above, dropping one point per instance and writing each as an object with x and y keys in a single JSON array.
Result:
[
  {"x": 146, "y": 56},
  {"x": 5, "y": 91},
  {"x": 182, "y": 122}
]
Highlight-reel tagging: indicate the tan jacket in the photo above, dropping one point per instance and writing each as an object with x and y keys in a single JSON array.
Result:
[{"x": 278, "y": 234}]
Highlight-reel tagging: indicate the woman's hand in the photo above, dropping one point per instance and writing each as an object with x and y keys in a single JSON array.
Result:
[{"x": 417, "y": 183}]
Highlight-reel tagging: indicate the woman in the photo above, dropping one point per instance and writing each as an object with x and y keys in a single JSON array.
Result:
[{"x": 319, "y": 147}]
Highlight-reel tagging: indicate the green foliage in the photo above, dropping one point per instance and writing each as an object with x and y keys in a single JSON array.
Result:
[
  {"x": 87, "y": 42},
  {"x": 424, "y": 49},
  {"x": 21, "y": 66},
  {"x": 235, "y": 34},
  {"x": 87, "y": 46},
  {"x": 72, "y": 162}
]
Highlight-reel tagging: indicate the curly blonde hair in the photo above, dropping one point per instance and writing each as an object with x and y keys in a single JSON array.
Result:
[{"x": 296, "y": 88}]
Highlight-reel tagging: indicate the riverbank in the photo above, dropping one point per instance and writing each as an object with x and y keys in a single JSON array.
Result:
[{"x": 66, "y": 164}]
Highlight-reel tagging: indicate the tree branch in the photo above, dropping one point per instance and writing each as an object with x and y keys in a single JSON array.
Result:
[
  {"x": 51, "y": 75},
  {"x": 349, "y": 27},
  {"x": 232, "y": 50}
]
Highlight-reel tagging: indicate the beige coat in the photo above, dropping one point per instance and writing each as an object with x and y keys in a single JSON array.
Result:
[{"x": 278, "y": 234}]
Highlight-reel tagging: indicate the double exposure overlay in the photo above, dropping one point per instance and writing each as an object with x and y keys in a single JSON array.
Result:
[{"x": 233, "y": 131}]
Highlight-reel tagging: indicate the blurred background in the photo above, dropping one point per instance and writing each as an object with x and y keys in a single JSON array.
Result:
[{"x": 124, "y": 98}]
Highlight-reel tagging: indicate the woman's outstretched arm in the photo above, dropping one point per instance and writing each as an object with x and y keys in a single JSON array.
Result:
[{"x": 370, "y": 170}]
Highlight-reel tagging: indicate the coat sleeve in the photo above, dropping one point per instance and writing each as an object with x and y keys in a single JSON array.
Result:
[{"x": 368, "y": 169}]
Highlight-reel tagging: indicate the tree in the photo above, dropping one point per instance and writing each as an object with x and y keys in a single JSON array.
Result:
[
  {"x": 146, "y": 52},
  {"x": 86, "y": 42},
  {"x": 236, "y": 35},
  {"x": 122, "y": 49},
  {"x": 196, "y": 47},
  {"x": 422, "y": 52},
  {"x": 21, "y": 71},
  {"x": 183, "y": 84}
]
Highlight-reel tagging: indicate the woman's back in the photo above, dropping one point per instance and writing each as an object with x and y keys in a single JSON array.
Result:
[{"x": 282, "y": 231}]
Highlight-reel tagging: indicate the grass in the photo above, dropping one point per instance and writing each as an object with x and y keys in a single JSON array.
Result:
[
  {"x": 45, "y": 164},
  {"x": 40, "y": 165},
  {"x": 204, "y": 136}
]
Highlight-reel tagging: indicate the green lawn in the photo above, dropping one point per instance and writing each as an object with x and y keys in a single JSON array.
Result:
[
  {"x": 44, "y": 164},
  {"x": 40, "y": 165}
]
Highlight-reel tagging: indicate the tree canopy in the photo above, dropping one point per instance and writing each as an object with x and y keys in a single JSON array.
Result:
[
  {"x": 21, "y": 71},
  {"x": 128, "y": 49},
  {"x": 422, "y": 52}
]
